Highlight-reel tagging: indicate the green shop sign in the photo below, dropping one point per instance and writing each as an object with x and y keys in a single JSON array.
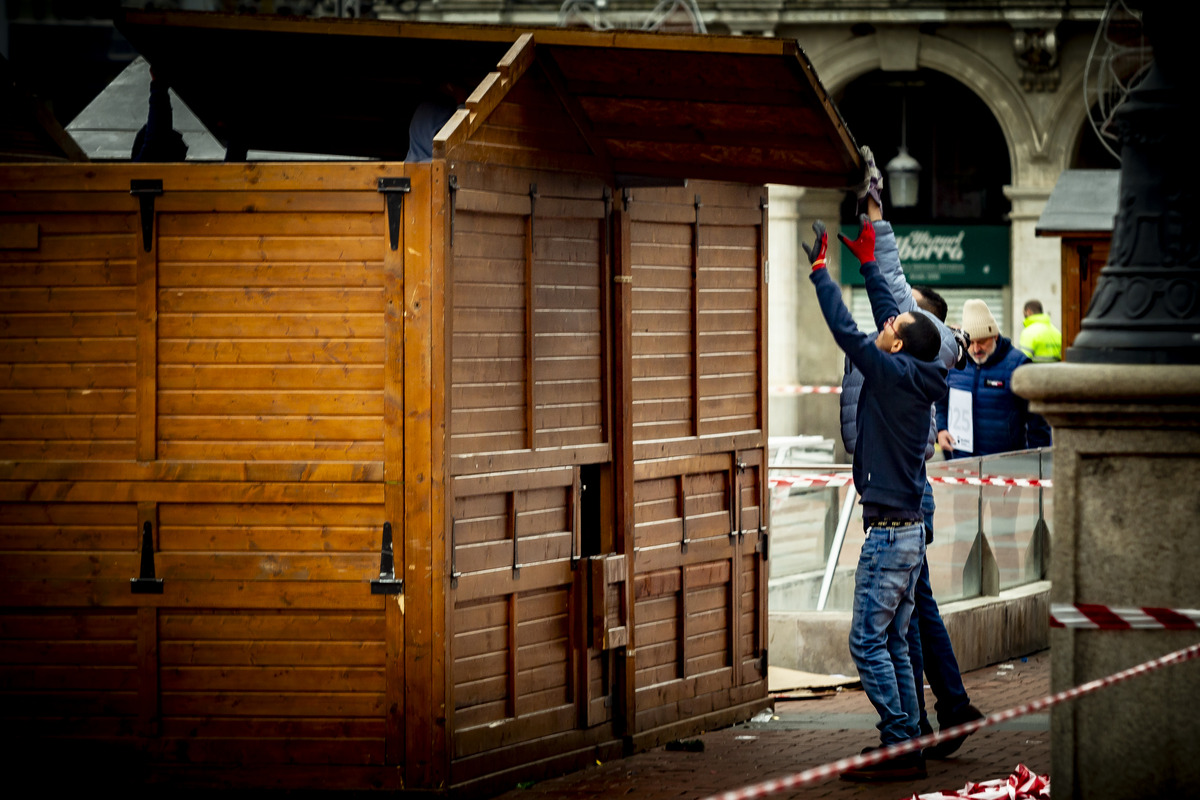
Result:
[{"x": 944, "y": 255}]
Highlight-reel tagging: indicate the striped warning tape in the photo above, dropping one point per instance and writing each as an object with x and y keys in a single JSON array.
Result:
[
  {"x": 826, "y": 771},
  {"x": 793, "y": 389},
  {"x": 992, "y": 480},
  {"x": 803, "y": 481},
  {"x": 1098, "y": 617},
  {"x": 843, "y": 480}
]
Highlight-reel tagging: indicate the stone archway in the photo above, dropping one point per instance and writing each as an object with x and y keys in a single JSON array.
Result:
[{"x": 1038, "y": 136}]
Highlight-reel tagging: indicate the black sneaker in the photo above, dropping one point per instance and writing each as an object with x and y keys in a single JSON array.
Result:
[
  {"x": 947, "y": 748},
  {"x": 908, "y": 767}
]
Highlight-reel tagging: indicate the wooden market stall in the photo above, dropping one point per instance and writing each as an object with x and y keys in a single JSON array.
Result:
[
  {"x": 368, "y": 474},
  {"x": 1080, "y": 211}
]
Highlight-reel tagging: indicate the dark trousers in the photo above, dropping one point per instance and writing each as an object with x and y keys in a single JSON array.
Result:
[{"x": 929, "y": 645}]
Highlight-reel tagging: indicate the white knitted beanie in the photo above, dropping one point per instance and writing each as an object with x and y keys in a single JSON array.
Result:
[{"x": 978, "y": 321}]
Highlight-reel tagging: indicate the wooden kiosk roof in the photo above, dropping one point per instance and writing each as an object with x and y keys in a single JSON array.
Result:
[{"x": 671, "y": 106}]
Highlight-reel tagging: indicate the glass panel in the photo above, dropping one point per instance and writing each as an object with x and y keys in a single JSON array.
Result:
[
  {"x": 1010, "y": 515},
  {"x": 1047, "y": 508},
  {"x": 841, "y": 593},
  {"x": 803, "y": 524},
  {"x": 1015, "y": 524},
  {"x": 953, "y": 573}
]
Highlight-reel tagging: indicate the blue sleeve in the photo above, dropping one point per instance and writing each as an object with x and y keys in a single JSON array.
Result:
[
  {"x": 941, "y": 410},
  {"x": 858, "y": 346},
  {"x": 887, "y": 256},
  {"x": 883, "y": 304}
]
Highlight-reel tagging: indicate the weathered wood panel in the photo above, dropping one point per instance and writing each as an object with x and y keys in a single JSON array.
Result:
[
  {"x": 248, "y": 297},
  {"x": 697, "y": 340},
  {"x": 250, "y": 330},
  {"x": 67, "y": 329},
  {"x": 309, "y": 685}
]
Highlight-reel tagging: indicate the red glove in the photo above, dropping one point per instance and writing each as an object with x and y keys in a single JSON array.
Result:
[
  {"x": 816, "y": 254},
  {"x": 864, "y": 246}
]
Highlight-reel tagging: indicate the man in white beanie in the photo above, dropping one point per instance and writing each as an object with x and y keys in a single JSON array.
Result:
[{"x": 1000, "y": 420}]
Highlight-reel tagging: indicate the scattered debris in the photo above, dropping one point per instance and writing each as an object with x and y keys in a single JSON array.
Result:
[
  {"x": 687, "y": 745},
  {"x": 792, "y": 684}
]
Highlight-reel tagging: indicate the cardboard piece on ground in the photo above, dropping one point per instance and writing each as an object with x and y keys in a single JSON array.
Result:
[{"x": 794, "y": 683}]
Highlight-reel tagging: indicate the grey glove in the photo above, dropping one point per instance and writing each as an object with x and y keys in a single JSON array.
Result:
[
  {"x": 964, "y": 344},
  {"x": 872, "y": 182}
]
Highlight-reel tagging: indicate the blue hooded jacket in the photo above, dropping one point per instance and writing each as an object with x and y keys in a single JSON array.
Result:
[
  {"x": 887, "y": 256},
  {"x": 893, "y": 406}
]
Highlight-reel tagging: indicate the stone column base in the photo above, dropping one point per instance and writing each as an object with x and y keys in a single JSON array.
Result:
[{"x": 1126, "y": 533}]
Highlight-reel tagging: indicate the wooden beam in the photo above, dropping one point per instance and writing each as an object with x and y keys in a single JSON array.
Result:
[
  {"x": 395, "y": 712},
  {"x": 570, "y": 102},
  {"x": 420, "y": 527}
]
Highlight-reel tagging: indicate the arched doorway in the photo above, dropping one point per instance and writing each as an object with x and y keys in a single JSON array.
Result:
[
  {"x": 950, "y": 132},
  {"x": 956, "y": 238}
]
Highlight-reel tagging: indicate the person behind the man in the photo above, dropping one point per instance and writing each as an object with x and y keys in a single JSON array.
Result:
[
  {"x": 157, "y": 140},
  {"x": 901, "y": 379},
  {"x": 1040, "y": 340},
  {"x": 999, "y": 420},
  {"x": 929, "y": 643},
  {"x": 430, "y": 116}
]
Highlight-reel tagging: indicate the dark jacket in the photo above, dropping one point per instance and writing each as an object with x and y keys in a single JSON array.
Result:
[
  {"x": 1001, "y": 421},
  {"x": 887, "y": 256},
  {"x": 893, "y": 406}
]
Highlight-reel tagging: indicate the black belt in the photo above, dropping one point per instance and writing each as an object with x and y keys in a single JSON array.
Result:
[{"x": 892, "y": 523}]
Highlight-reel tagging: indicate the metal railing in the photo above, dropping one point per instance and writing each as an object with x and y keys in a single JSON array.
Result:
[{"x": 991, "y": 529}]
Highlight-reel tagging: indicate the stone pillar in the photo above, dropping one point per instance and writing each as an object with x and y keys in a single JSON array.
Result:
[
  {"x": 1126, "y": 506},
  {"x": 1036, "y": 262},
  {"x": 802, "y": 351},
  {"x": 1125, "y": 408}
]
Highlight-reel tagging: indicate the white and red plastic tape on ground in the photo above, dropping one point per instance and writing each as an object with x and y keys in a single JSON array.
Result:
[
  {"x": 1021, "y": 785},
  {"x": 826, "y": 771}
]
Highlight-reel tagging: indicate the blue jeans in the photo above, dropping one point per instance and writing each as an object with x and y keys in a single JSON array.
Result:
[
  {"x": 929, "y": 644},
  {"x": 884, "y": 587}
]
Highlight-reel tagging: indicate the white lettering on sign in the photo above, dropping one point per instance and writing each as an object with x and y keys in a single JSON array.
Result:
[{"x": 922, "y": 246}]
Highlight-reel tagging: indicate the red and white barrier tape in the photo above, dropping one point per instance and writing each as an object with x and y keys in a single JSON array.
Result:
[
  {"x": 826, "y": 771},
  {"x": 1022, "y": 784},
  {"x": 793, "y": 389},
  {"x": 804, "y": 481},
  {"x": 992, "y": 480},
  {"x": 1091, "y": 616},
  {"x": 843, "y": 480}
]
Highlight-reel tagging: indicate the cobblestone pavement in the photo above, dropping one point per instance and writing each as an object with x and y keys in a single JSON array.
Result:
[{"x": 808, "y": 733}]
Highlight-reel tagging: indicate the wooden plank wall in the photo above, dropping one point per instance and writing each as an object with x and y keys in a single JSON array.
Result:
[
  {"x": 529, "y": 415},
  {"x": 698, "y": 421},
  {"x": 223, "y": 389}
]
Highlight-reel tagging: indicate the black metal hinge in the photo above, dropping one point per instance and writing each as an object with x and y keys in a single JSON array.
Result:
[
  {"x": 146, "y": 583},
  {"x": 394, "y": 190},
  {"x": 145, "y": 191},
  {"x": 387, "y": 583},
  {"x": 764, "y": 544}
]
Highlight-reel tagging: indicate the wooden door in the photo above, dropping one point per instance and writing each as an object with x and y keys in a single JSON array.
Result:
[
  {"x": 696, "y": 364},
  {"x": 195, "y": 451},
  {"x": 531, "y": 524},
  {"x": 1082, "y": 261}
]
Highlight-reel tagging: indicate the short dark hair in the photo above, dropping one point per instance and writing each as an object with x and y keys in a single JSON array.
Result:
[
  {"x": 932, "y": 302},
  {"x": 1034, "y": 307},
  {"x": 921, "y": 338}
]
